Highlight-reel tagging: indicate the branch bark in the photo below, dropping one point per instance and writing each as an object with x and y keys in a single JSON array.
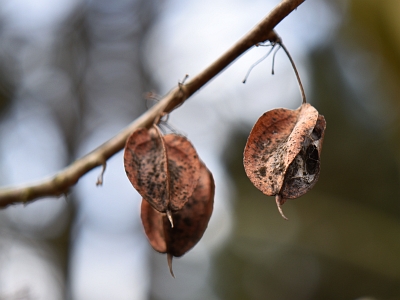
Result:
[{"x": 60, "y": 183}]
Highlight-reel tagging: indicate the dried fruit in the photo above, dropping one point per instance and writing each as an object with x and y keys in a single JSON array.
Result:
[
  {"x": 190, "y": 222},
  {"x": 282, "y": 153},
  {"x": 183, "y": 169},
  {"x": 164, "y": 170},
  {"x": 177, "y": 189},
  {"x": 303, "y": 172}
]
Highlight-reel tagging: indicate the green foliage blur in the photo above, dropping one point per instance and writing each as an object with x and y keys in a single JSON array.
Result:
[{"x": 342, "y": 240}]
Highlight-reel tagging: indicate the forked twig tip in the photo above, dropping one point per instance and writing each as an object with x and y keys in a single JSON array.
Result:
[
  {"x": 181, "y": 83},
  {"x": 258, "y": 61}
]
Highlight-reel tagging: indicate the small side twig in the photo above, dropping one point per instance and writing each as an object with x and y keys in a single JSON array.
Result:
[{"x": 100, "y": 178}]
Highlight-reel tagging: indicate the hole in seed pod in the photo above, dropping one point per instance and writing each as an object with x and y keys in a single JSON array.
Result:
[{"x": 312, "y": 159}]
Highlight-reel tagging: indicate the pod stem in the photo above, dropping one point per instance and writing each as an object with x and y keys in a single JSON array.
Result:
[
  {"x": 279, "y": 202},
  {"x": 303, "y": 94},
  {"x": 169, "y": 259},
  {"x": 169, "y": 216}
]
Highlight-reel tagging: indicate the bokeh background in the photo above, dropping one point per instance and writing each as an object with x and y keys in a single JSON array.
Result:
[{"x": 75, "y": 72}]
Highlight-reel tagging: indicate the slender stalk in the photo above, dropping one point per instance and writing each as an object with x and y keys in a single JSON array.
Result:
[
  {"x": 303, "y": 94},
  {"x": 279, "y": 202}
]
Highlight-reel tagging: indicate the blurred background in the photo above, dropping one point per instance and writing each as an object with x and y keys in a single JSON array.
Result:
[{"x": 74, "y": 72}]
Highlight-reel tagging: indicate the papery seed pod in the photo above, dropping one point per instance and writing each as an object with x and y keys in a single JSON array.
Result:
[
  {"x": 282, "y": 153},
  {"x": 145, "y": 164},
  {"x": 163, "y": 169},
  {"x": 184, "y": 168},
  {"x": 303, "y": 172},
  {"x": 190, "y": 222}
]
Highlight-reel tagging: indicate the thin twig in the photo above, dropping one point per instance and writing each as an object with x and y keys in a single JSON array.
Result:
[
  {"x": 257, "y": 62},
  {"x": 100, "y": 178},
  {"x": 60, "y": 183}
]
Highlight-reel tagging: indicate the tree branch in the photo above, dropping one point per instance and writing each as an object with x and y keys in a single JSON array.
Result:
[{"x": 60, "y": 183}]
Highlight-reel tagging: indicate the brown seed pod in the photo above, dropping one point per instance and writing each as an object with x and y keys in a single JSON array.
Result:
[
  {"x": 146, "y": 166},
  {"x": 303, "y": 172},
  {"x": 183, "y": 169},
  {"x": 190, "y": 222},
  {"x": 281, "y": 157},
  {"x": 164, "y": 170}
]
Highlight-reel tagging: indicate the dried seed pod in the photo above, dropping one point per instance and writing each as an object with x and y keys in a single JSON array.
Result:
[
  {"x": 146, "y": 166},
  {"x": 303, "y": 172},
  {"x": 281, "y": 157},
  {"x": 164, "y": 170},
  {"x": 190, "y": 222},
  {"x": 183, "y": 169}
]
